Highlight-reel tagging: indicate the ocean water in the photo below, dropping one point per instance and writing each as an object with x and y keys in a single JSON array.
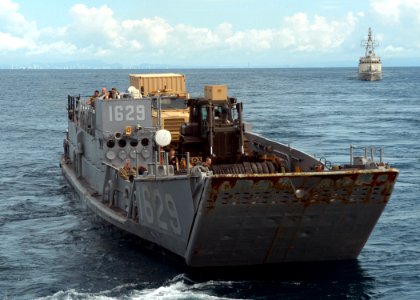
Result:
[{"x": 52, "y": 247}]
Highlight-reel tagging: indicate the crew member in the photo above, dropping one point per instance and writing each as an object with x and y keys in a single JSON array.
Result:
[{"x": 92, "y": 99}]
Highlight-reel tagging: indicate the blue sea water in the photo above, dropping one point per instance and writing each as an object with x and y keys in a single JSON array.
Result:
[{"x": 52, "y": 247}]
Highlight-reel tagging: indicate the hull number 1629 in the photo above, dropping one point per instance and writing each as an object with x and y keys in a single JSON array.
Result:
[{"x": 126, "y": 113}]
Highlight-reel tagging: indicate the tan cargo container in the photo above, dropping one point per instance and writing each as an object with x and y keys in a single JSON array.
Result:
[
  {"x": 215, "y": 92},
  {"x": 166, "y": 83},
  {"x": 169, "y": 84}
]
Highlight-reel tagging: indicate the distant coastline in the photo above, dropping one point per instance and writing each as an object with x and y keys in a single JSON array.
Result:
[
  {"x": 102, "y": 65},
  {"x": 167, "y": 67}
]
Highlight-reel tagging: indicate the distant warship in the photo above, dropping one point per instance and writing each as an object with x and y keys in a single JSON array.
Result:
[
  {"x": 370, "y": 65},
  {"x": 220, "y": 194}
]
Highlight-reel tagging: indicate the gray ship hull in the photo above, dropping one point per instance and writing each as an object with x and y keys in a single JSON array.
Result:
[{"x": 219, "y": 220}]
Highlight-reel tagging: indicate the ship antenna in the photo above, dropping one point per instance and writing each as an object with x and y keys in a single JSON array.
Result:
[{"x": 370, "y": 44}]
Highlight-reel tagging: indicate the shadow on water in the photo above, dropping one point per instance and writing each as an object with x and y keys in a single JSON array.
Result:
[{"x": 344, "y": 279}]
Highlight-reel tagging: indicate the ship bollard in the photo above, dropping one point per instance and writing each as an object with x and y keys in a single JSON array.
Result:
[
  {"x": 188, "y": 162},
  {"x": 165, "y": 157},
  {"x": 166, "y": 161},
  {"x": 137, "y": 163},
  {"x": 371, "y": 152},
  {"x": 380, "y": 155},
  {"x": 156, "y": 163}
]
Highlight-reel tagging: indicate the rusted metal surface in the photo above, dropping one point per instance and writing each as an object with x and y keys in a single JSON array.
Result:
[
  {"x": 306, "y": 188},
  {"x": 289, "y": 217}
]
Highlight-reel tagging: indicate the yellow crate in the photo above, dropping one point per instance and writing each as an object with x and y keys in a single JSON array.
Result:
[{"x": 215, "y": 92}]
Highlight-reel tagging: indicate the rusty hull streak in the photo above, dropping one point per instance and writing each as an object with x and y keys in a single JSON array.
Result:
[{"x": 317, "y": 187}]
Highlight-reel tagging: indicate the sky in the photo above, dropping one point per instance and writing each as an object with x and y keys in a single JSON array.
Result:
[{"x": 206, "y": 33}]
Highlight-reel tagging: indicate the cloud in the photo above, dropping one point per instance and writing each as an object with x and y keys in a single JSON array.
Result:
[
  {"x": 93, "y": 26},
  {"x": 99, "y": 27},
  {"x": 298, "y": 33},
  {"x": 251, "y": 40},
  {"x": 397, "y": 10},
  {"x": 400, "y": 21},
  {"x": 98, "y": 32},
  {"x": 320, "y": 34},
  {"x": 392, "y": 50},
  {"x": 11, "y": 43},
  {"x": 15, "y": 30},
  {"x": 154, "y": 31}
]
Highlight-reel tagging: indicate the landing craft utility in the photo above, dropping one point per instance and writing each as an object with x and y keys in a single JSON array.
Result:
[{"x": 221, "y": 195}]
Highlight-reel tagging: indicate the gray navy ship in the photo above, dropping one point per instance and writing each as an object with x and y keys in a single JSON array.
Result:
[
  {"x": 221, "y": 195},
  {"x": 370, "y": 65}
]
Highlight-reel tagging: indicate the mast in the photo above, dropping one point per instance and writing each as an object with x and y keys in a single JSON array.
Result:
[{"x": 370, "y": 44}]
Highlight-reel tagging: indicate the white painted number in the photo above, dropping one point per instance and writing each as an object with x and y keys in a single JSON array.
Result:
[
  {"x": 126, "y": 113},
  {"x": 130, "y": 113},
  {"x": 119, "y": 115},
  {"x": 159, "y": 210},
  {"x": 163, "y": 212},
  {"x": 140, "y": 113},
  {"x": 148, "y": 209},
  {"x": 173, "y": 213}
]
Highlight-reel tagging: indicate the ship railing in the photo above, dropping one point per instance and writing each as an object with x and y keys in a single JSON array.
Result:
[
  {"x": 72, "y": 103},
  {"x": 82, "y": 114},
  {"x": 368, "y": 156},
  {"x": 162, "y": 167}
]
